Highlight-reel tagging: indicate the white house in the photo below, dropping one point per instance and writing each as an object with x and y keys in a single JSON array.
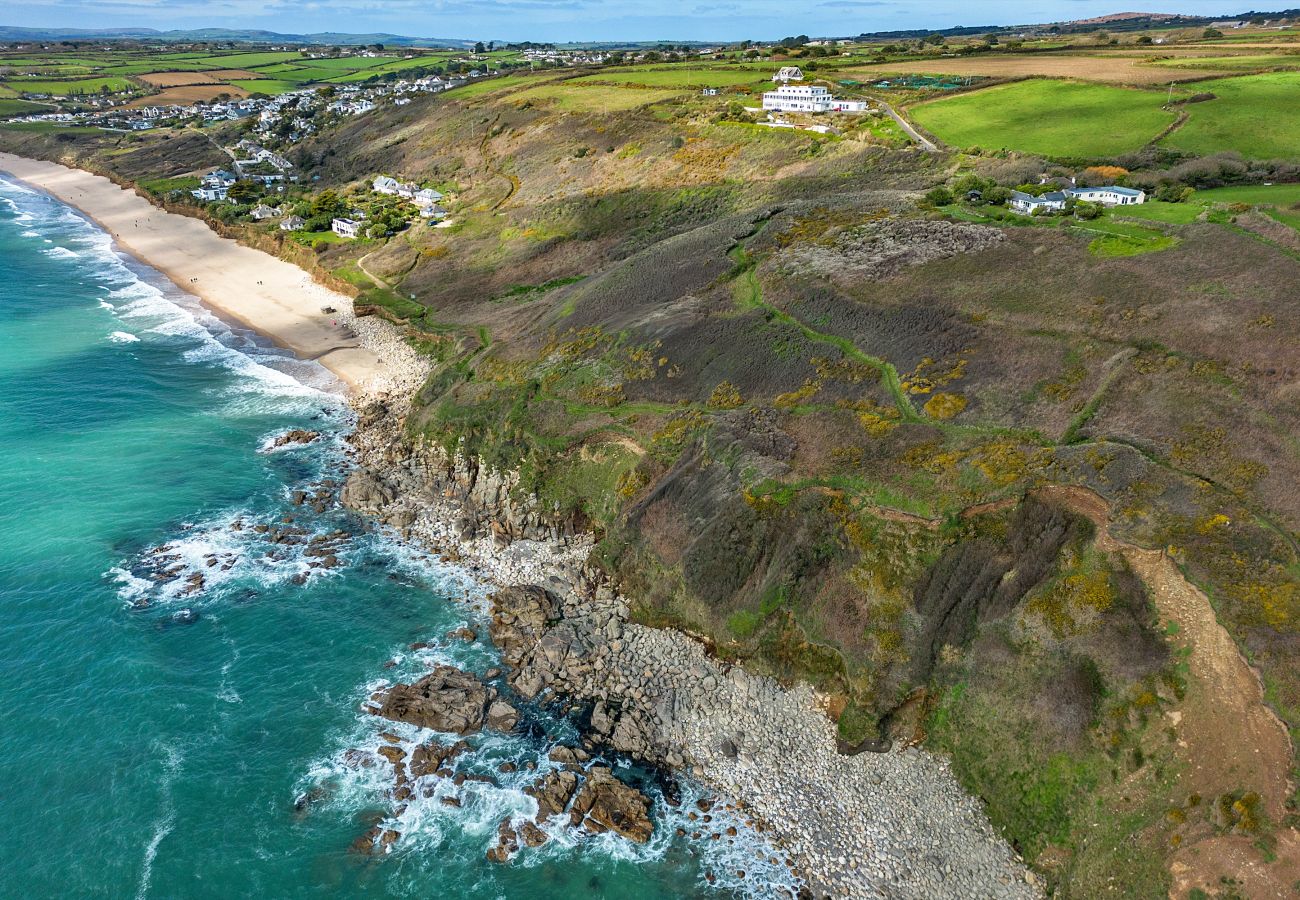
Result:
[
  {"x": 433, "y": 212},
  {"x": 788, "y": 74},
  {"x": 262, "y": 211},
  {"x": 1110, "y": 195},
  {"x": 348, "y": 228},
  {"x": 210, "y": 194},
  {"x": 384, "y": 184},
  {"x": 1053, "y": 201},
  {"x": 426, "y": 196},
  {"x": 293, "y": 223},
  {"x": 809, "y": 98}
]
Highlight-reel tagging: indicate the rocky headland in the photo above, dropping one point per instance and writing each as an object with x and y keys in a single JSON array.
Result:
[{"x": 888, "y": 824}]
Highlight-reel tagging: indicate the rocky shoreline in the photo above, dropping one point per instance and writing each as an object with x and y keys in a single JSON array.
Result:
[{"x": 894, "y": 824}]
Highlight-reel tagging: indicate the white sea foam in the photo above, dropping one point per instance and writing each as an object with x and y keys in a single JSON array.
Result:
[
  {"x": 31, "y": 234},
  {"x": 61, "y": 253},
  {"x": 166, "y": 821},
  {"x": 123, "y": 337}
]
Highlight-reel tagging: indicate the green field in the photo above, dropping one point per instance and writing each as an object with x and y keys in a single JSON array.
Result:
[
  {"x": 244, "y": 60},
  {"x": 1232, "y": 63},
  {"x": 1051, "y": 118},
  {"x": 594, "y": 98},
  {"x": 21, "y": 108},
  {"x": 270, "y": 86},
  {"x": 79, "y": 86},
  {"x": 1158, "y": 211},
  {"x": 1254, "y": 194},
  {"x": 677, "y": 77},
  {"x": 1256, "y": 115}
]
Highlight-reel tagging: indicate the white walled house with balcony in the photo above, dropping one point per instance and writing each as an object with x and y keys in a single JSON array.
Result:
[{"x": 808, "y": 98}]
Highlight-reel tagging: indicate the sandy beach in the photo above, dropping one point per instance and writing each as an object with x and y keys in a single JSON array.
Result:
[{"x": 255, "y": 289}]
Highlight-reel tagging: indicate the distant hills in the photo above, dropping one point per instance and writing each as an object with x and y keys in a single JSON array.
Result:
[{"x": 214, "y": 35}]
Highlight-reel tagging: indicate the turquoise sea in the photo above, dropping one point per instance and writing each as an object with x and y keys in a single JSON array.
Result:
[{"x": 166, "y": 738}]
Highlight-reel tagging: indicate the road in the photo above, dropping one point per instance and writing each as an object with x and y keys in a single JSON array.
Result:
[{"x": 925, "y": 143}]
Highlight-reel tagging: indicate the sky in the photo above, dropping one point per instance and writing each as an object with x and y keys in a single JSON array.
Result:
[{"x": 573, "y": 20}]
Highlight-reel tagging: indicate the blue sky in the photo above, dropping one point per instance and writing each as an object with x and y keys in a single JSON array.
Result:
[{"x": 571, "y": 20}]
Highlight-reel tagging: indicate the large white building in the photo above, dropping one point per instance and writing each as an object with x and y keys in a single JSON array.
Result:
[
  {"x": 1109, "y": 195},
  {"x": 808, "y": 98}
]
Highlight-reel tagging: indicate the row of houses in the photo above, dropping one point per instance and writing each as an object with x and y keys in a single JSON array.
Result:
[
  {"x": 1054, "y": 201},
  {"x": 427, "y": 199}
]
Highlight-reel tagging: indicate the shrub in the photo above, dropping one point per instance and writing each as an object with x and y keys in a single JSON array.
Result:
[
  {"x": 938, "y": 196},
  {"x": 725, "y": 396},
  {"x": 944, "y": 406}
]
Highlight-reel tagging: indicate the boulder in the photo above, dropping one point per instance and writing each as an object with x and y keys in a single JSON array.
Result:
[
  {"x": 521, "y": 615},
  {"x": 427, "y": 759},
  {"x": 296, "y": 436},
  {"x": 532, "y": 835},
  {"x": 552, "y": 793},
  {"x": 366, "y": 492},
  {"x": 446, "y": 699},
  {"x": 606, "y": 804},
  {"x": 507, "y": 843},
  {"x": 501, "y": 716}
]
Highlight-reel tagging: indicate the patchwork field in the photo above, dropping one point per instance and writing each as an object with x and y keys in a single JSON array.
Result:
[
  {"x": 1110, "y": 69},
  {"x": 1051, "y": 118},
  {"x": 234, "y": 73}
]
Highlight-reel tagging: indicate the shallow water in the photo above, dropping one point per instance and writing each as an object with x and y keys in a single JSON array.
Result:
[{"x": 147, "y": 753}]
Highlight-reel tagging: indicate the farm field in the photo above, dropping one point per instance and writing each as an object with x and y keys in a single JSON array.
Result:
[
  {"x": 1255, "y": 194},
  {"x": 1050, "y": 118},
  {"x": 576, "y": 98},
  {"x": 1109, "y": 69},
  {"x": 1244, "y": 63},
  {"x": 186, "y": 94},
  {"x": 1249, "y": 117},
  {"x": 112, "y": 85},
  {"x": 270, "y": 86},
  {"x": 678, "y": 76}
]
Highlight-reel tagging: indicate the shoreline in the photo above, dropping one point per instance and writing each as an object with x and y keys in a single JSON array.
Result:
[{"x": 249, "y": 287}]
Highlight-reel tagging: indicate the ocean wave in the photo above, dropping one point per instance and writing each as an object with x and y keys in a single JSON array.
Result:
[
  {"x": 61, "y": 253},
  {"x": 123, "y": 337},
  {"x": 31, "y": 234}
]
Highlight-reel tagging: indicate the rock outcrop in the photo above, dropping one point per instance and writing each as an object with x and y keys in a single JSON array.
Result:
[
  {"x": 450, "y": 700},
  {"x": 606, "y": 804}
]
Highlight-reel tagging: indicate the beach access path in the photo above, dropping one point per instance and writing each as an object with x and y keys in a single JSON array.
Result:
[{"x": 273, "y": 297}]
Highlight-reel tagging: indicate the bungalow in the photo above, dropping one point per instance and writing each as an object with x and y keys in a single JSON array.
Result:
[
  {"x": 293, "y": 223},
  {"x": 709, "y": 92},
  {"x": 1109, "y": 195},
  {"x": 433, "y": 212},
  {"x": 1054, "y": 201},
  {"x": 348, "y": 228}
]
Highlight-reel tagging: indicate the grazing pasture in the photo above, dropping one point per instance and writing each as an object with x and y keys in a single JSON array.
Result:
[
  {"x": 1064, "y": 119},
  {"x": 595, "y": 98},
  {"x": 1255, "y": 115},
  {"x": 112, "y": 85}
]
